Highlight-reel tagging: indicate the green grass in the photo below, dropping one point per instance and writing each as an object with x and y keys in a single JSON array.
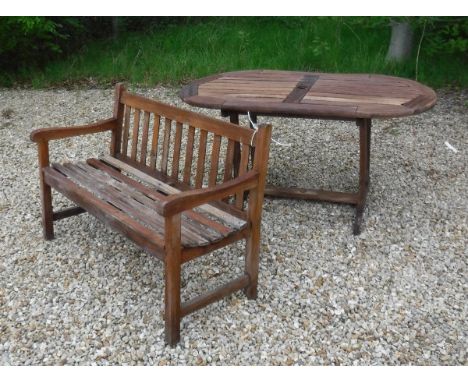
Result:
[{"x": 179, "y": 53}]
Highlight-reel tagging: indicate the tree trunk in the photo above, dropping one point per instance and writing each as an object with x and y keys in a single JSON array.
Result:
[
  {"x": 401, "y": 42},
  {"x": 115, "y": 28}
]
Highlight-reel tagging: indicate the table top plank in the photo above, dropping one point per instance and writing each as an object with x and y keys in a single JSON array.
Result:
[
  {"x": 310, "y": 95},
  {"x": 344, "y": 98},
  {"x": 245, "y": 89}
]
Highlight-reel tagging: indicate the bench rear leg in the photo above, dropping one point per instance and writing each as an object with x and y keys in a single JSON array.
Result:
[{"x": 46, "y": 193}]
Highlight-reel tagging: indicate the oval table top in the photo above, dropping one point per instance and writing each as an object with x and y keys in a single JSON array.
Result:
[{"x": 310, "y": 95}]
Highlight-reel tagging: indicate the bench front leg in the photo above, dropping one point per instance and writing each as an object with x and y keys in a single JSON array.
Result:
[
  {"x": 253, "y": 245},
  {"x": 172, "y": 271},
  {"x": 46, "y": 192}
]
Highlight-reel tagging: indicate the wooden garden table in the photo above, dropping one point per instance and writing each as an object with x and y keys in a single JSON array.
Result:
[{"x": 348, "y": 97}]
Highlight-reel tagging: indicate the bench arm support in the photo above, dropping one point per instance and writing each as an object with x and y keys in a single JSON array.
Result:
[
  {"x": 52, "y": 133},
  {"x": 187, "y": 200}
]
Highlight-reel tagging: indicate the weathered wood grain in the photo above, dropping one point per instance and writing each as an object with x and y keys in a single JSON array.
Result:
[
  {"x": 166, "y": 216},
  {"x": 189, "y": 155},
  {"x": 311, "y": 95}
]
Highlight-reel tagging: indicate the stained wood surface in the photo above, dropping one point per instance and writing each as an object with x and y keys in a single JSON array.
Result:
[
  {"x": 143, "y": 189},
  {"x": 236, "y": 221},
  {"x": 140, "y": 202},
  {"x": 310, "y": 95}
]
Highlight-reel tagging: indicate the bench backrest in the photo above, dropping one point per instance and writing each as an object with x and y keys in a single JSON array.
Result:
[{"x": 188, "y": 149}]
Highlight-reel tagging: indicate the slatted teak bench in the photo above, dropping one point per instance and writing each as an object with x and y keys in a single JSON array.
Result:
[{"x": 169, "y": 185}]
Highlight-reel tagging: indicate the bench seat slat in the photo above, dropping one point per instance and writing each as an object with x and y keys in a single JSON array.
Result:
[
  {"x": 140, "y": 203},
  {"x": 180, "y": 186},
  {"x": 154, "y": 194},
  {"x": 137, "y": 206},
  {"x": 223, "y": 216},
  {"x": 193, "y": 233},
  {"x": 111, "y": 215}
]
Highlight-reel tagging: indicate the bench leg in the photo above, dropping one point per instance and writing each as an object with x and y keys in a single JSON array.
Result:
[
  {"x": 252, "y": 253},
  {"x": 46, "y": 193},
  {"x": 47, "y": 212},
  {"x": 251, "y": 267},
  {"x": 172, "y": 315}
]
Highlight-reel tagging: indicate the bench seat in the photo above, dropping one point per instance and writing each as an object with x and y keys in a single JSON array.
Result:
[{"x": 136, "y": 203}]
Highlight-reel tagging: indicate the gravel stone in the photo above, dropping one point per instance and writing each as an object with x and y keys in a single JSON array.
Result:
[{"x": 395, "y": 295}]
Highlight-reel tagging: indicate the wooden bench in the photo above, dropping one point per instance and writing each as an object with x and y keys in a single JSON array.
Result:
[{"x": 169, "y": 185}]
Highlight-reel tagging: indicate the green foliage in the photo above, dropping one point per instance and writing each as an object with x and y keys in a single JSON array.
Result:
[
  {"x": 25, "y": 39},
  {"x": 175, "y": 50},
  {"x": 442, "y": 34},
  {"x": 30, "y": 42},
  {"x": 445, "y": 35}
]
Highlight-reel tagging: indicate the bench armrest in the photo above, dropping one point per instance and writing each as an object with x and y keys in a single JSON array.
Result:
[
  {"x": 187, "y": 200},
  {"x": 51, "y": 133}
]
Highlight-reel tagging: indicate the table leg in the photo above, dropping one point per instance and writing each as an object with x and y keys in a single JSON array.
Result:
[
  {"x": 364, "y": 166},
  {"x": 234, "y": 118},
  {"x": 357, "y": 199},
  {"x": 253, "y": 117}
]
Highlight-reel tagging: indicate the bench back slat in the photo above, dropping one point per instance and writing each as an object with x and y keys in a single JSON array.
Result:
[
  {"x": 155, "y": 141},
  {"x": 243, "y": 168},
  {"x": 242, "y": 134},
  {"x": 214, "y": 160},
  {"x": 189, "y": 155},
  {"x": 135, "y": 132},
  {"x": 177, "y": 146},
  {"x": 144, "y": 137},
  {"x": 201, "y": 159},
  {"x": 228, "y": 160},
  {"x": 166, "y": 144},
  {"x": 164, "y": 138}
]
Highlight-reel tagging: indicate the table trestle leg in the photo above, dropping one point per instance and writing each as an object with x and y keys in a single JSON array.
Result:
[
  {"x": 357, "y": 199},
  {"x": 253, "y": 118},
  {"x": 234, "y": 118},
  {"x": 364, "y": 167}
]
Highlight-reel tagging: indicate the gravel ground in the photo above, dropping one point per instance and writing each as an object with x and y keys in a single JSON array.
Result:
[{"x": 394, "y": 295}]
